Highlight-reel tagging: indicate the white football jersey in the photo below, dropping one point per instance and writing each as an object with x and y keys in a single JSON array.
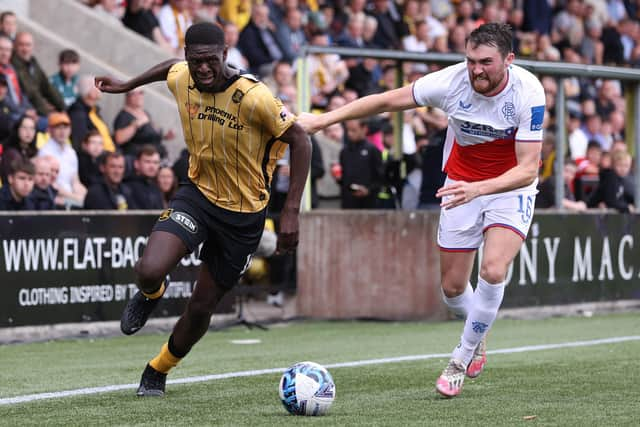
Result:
[{"x": 482, "y": 130}]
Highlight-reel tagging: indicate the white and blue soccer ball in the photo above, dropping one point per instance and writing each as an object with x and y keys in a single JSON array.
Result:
[{"x": 307, "y": 388}]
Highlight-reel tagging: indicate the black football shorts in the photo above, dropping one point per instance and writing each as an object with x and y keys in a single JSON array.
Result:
[{"x": 230, "y": 238}]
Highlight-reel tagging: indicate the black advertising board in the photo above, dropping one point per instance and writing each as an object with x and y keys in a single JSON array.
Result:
[
  {"x": 78, "y": 268},
  {"x": 574, "y": 258}
]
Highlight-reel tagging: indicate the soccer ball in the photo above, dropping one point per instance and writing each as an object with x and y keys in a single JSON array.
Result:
[{"x": 307, "y": 388}]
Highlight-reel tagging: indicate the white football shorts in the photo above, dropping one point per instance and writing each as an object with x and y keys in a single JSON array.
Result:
[{"x": 461, "y": 229}]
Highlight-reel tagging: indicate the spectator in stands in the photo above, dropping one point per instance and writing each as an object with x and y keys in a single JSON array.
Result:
[
  {"x": 138, "y": 17},
  {"x": 369, "y": 30},
  {"x": 8, "y": 24},
  {"x": 616, "y": 125},
  {"x": 616, "y": 189},
  {"x": 111, "y": 10},
  {"x": 43, "y": 194},
  {"x": 21, "y": 145},
  {"x": 7, "y": 110},
  {"x": 589, "y": 165},
  {"x": 391, "y": 28},
  {"x": 591, "y": 47},
  {"x": 133, "y": 128},
  {"x": 167, "y": 183},
  {"x": 567, "y": 25},
  {"x": 66, "y": 79},
  {"x": 174, "y": 21},
  {"x": 258, "y": 42},
  {"x": 290, "y": 34},
  {"x": 61, "y": 200},
  {"x": 15, "y": 195},
  {"x": 110, "y": 193},
  {"x": 33, "y": 80},
  {"x": 352, "y": 35},
  {"x": 89, "y": 159},
  {"x": 546, "y": 197},
  {"x": 234, "y": 56},
  {"x": 420, "y": 41},
  {"x": 364, "y": 77},
  {"x": 67, "y": 182},
  {"x": 327, "y": 72},
  {"x": 145, "y": 191},
  {"x": 456, "y": 39},
  {"x": 609, "y": 92},
  {"x": 84, "y": 115},
  {"x": 577, "y": 138},
  {"x": 593, "y": 130},
  {"x": 282, "y": 74},
  {"x": 16, "y": 100},
  {"x": 207, "y": 11},
  {"x": 330, "y": 141},
  {"x": 361, "y": 164}
]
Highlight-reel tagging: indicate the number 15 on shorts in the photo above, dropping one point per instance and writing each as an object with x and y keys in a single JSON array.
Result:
[{"x": 525, "y": 207}]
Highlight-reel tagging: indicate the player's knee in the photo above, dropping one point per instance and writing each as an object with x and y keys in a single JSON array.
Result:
[
  {"x": 452, "y": 290},
  {"x": 149, "y": 275},
  {"x": 493, "y": 272}
]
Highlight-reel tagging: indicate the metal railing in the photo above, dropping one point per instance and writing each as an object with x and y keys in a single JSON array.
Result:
[{"x": 558, "y": 70}]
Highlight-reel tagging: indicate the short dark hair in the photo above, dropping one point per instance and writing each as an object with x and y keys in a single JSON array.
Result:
[
  {"x": 147, "y": 150},
  {"x": 68, "y": 56},
  {"x": 90, "y": 135},
  {"x": 104, "y": 157},
  {"x": 20, "y": 165},
  {"x": 493, "y": 34},
  {"x": 594, "y": 144},
  {"x": 204, "y": 33},
  {"x": 5, "y": 14}
]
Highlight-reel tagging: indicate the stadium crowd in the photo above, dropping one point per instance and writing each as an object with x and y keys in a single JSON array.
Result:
[{"x": 58, "y": 152}]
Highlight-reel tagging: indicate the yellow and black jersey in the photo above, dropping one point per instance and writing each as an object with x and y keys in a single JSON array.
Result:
[{"x": 232, "y": 138}]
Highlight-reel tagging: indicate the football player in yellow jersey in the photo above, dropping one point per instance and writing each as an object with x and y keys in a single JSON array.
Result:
[{"x": 235, "y": 131}]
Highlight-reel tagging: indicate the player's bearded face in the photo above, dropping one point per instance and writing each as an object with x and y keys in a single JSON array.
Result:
[
  {"x": 206, "y": 63},
  {"x": 487, "y": 69}
]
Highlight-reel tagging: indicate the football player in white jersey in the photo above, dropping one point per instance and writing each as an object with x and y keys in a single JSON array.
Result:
[{"x": 491, "y": 157}]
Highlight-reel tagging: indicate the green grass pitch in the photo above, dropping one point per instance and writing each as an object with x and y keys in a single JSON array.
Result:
[{"x": 592, "y": 385}]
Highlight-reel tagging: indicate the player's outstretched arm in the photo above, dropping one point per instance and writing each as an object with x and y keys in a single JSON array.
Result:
[
  {"x": 392, "y": 100},
  {"x": 154, "y": 74},
  {"x": 300, "y": 159}
]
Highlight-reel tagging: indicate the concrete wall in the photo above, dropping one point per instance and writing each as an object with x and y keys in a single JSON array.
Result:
[
  {"x": 105, "y": 48},
  {"x": 369, "y": 264}
]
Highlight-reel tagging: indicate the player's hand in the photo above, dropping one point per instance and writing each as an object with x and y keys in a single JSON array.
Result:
[
  {"x": 288, "y": 233},
  {"x": 110, "y": 85},
  {"x": 309, "y": 122},
  {"x": 456, "y": 194}
]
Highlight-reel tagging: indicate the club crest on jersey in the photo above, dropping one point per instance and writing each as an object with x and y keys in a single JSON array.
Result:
[
  {"x": 464, "y": 106},
  {"x": 165, "y": 215},
  {"x": 237, "y": 96},
  {"x": 509, "y": 110},
  {"x": 192, "y": 109}
]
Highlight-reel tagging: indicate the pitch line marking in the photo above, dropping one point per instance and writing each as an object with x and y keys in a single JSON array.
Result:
[{"x": 110, "y": 388}]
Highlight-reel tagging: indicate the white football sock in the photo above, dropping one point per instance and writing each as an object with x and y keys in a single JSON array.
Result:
[
  {"x": 460, "y": 304},
  {"x": 484, "y": 309}
]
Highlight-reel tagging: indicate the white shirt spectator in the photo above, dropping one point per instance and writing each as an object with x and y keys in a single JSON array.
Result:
[
  {"x": 578, "y": 144},
  {"x": 68, "y": 159},
  {"x": 169, "y": 22}
]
